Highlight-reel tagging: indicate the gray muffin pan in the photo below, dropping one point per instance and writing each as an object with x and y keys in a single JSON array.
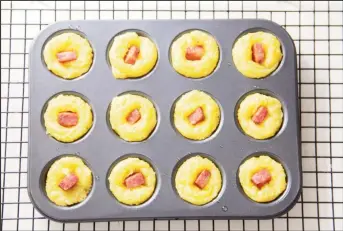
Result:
[{"x": 165, "y": 149}]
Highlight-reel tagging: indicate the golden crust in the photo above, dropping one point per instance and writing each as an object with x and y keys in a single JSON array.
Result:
[
  {"x": 122, "y": 106},
  {"x": 268, "y": 192},
  {"x": 242, "y": 54},
  {"x": 61, "y": 168},
  {"x": 125, "y": 168},
  {"x": 63, "y": 103},
  {"x": 187, "y": 174},
  {"x": 272, "y": 123},
  {"x": 146, "y": 59},
  {"x": 186, "y": 106},
  {"x": 68, "y": 42},
  {"x": 199, "y": 68}
]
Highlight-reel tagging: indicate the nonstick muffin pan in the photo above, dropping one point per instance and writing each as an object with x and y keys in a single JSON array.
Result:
[{"x": 165, "y": 149}]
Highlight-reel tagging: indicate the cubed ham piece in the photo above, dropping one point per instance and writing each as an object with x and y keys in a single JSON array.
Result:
[
  {"x": 135, "y": 180},
  {"x": 197, "y": 116},
  {"x": 132, "y": 55},
  {"x": 203, "y": 179},
  {"x": 258, "y": 53},
  {"x": 261, "y": 178},
  {"x": 260, "y": 115},
  {"x": 194, "y": 53},
  {"x": 66, "y": 56},
  {"x": 133, "y": 117},
  {"x": 68, "y": 182},
  {"x": 68, "y": 119}
]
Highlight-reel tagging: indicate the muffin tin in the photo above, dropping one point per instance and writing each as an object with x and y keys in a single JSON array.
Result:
[{"x": 165, "y": 149}]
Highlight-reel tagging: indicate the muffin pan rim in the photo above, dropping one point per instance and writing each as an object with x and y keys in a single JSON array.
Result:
[{"x": 197, "y": 85}]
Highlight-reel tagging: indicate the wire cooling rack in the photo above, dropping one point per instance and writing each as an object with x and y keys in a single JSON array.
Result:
[{"x": 317, "y": 30}]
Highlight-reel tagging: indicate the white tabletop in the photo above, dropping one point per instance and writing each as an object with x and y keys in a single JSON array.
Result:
[{"x": 317, "y": 30}]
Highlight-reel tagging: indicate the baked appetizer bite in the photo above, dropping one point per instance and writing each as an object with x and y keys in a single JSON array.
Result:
[
  {"x": 257, "y": 54},
  {"x": 68, "y": 181},
  {"x": 68, "y": 55},
  {"x": 262, "y": 178},
  {"x": 132, "y": 117},
  {"x": 196, "y": 115},
  {"x": 195, "y": 54},
  {"x": 132, "y": 55},
  {"x": 67, "y": 118},
  {"x": 198, "y": 180},
  {"x": 260, "y": 116},
  {"x": 132, "y": 181}
]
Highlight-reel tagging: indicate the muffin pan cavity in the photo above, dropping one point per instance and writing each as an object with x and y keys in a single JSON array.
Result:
[
  {"x": 138, "y": 93},
  {"x": 74, "y": 94},
  {"x": 43, "y": 179},
  {"x": 157, "y": 174},
  {"x": 199, "y": 43},
  {"x": 267, "y": 31},
  {"x": 267, "y": 93},
  {"x": 165, "y": 149},
  {"x": 210, "y": 158},
  {"x": 213, "y": 134},
  {"x": 72, "y": 31},
  {"x": 140, "y": 33},
  {"x": 285, "y": 168}
]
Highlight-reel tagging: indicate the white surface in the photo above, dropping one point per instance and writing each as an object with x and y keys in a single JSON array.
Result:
[{"x": 318, "y": 33}]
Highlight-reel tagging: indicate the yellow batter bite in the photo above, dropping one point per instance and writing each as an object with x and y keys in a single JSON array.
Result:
[
  {"x": 132, "y": 181},
  {"x": 68, "y": 181},
  {"x": 67, "y": 118},
  {"x": 262, "y": 178},
  {"x": 132, "y": 117},
  {"x": 132, "y": 55},
  {"x": 260, "y": 116},
  {"x": 257, "y": 54},
  {"x": 68, "y": 55},
  {"x": 195, "y": 54},
  {"x": 198, "y": 180},
  {"x": 196, "y": 115}
]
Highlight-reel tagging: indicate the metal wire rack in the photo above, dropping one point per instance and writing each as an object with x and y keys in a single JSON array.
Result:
[{"x": 317, "y": 30}]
